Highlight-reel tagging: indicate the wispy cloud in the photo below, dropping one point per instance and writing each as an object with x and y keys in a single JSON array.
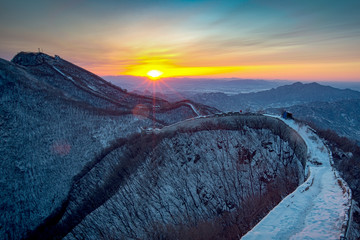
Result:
[{"x": 111, "y": 37}]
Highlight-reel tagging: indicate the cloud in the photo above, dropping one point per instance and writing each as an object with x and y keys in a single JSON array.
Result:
[{"x": 109, "y": 36}]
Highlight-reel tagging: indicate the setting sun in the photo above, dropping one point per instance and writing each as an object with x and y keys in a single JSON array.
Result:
[{"x": 154, "y": 74}]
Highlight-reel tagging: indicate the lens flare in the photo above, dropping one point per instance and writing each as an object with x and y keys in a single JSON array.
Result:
[{"x": 154, "y": 74}]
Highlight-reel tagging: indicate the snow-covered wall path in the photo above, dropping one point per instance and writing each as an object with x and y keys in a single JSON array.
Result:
[
  {"x": 318, "y": 208},
  {"x": 194, "y": 109}
]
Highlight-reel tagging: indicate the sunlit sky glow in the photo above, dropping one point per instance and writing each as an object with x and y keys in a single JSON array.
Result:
[{"x": 292, "y": 40}]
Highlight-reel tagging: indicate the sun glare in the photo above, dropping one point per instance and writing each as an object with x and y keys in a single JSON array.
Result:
[{"x": 154, "y": 74}]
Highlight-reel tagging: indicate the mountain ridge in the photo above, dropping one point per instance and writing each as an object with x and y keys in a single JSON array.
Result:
[
  {"x": 282, "y": 96},
  {"x": 53, "y": 124},
  {"x": 292, "y": 155}
]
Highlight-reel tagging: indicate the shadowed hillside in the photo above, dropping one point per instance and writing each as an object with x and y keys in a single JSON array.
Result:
[
  {"x": 223, "y": 171},
  {"x": 55, "y": 118}
]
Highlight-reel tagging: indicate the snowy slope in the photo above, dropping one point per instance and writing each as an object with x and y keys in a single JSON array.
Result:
[
  {"x": 215, "y": 170},
  {"x": 55, "y": 118},
  {"x": 186, "y": 180},
  {"x": 318, "y": 208}
]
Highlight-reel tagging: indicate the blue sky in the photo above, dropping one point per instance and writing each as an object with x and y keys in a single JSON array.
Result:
[{"x": 109, "y": 36}]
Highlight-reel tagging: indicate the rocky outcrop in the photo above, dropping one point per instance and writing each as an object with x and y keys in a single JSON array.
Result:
[{"x": 30, "y": 58}]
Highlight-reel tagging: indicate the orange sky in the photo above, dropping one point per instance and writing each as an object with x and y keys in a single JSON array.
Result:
[{"x": 290, "y": 40}]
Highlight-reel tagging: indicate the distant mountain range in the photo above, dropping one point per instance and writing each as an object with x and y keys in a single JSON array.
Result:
[
  {"x": 283, "y": 96},
  {"x": 189, "y": 86},
  {"x": 177, "y": 89},
  {"x": 342, "y": 116},
  {"x": 325, "y": 106}
]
